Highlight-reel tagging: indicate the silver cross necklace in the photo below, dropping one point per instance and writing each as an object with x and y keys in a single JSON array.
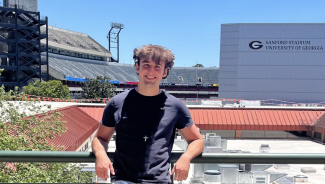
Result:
[{"x": 145, "y": 138}]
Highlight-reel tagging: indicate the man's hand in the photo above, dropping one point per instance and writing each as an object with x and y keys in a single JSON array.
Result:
[
  {"x": 103, "y": 164},
  {"x": 195, "y": 147},
  {"x": 181, "y": 168}
]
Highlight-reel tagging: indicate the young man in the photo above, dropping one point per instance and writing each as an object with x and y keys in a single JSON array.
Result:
[{"x": 145, "y": 120}]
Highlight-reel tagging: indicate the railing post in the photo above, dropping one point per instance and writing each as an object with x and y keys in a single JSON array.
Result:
[
  {"x": 323, "y": 137},
  {"x": 313, "y": 134},
  {"x": 238, "y": 134}
]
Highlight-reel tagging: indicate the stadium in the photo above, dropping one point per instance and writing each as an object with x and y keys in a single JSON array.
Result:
[
  {"x": 73, "y": 69},
  {"x": 267, "y": 96},
  {"x": 71, "y": 57}
]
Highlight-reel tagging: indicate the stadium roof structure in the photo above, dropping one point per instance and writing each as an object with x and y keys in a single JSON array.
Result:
[{"x": 74, "y": 41}]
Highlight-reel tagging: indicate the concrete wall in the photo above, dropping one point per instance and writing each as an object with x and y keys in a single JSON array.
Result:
[
  {"x": 232, "y": 134},
  {"x": 28, "y": 5},
  {"x": 265, "y": 134},
  {"x": 221, "y": 133}
]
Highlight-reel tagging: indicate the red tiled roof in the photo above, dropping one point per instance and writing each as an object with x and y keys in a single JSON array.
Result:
[
  {"x": 248, "y": 119},
  {"x": 82, "y": 121},
  {"x": 94, "y": 112},
  {"x": 79, "y": 125},
  {"x": 258, "y": 119},
  {"x": 320, "y": 125}
]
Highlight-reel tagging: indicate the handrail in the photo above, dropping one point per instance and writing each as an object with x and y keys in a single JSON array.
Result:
[{"x": 253, "y": 158}]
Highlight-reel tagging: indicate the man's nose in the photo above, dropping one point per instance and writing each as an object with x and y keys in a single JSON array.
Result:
[{"x": 150, "y": 70}]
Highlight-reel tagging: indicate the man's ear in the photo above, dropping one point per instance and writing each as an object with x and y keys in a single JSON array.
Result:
[
  {"x": 137, "y": 68},
  {"x": 165, "y": 72}
]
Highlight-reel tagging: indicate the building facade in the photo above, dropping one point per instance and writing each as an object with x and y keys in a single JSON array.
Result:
[{"x": 273, "y": 61}]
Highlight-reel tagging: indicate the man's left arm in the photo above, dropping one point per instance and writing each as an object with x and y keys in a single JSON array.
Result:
[{"x": 195, "y": 147}]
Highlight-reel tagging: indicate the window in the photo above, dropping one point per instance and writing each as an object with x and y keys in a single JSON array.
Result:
[{"x": 86, "y": 146}]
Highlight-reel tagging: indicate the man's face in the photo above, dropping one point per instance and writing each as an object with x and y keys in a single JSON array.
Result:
[{"x": 150, "y": 73}]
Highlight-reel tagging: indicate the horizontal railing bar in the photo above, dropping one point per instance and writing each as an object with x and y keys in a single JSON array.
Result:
[{"x": 254, "y": 158}]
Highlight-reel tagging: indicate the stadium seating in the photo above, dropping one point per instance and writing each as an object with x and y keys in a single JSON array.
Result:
[
  {"x": 172, "y": 77},
  {"x": 188, "y": 75},
  {"x": 76, "y": 67},
  {"x": 85, "y": 68},
  {"x": 208, "y": 76},
  {"x": 73, "y": 39}
]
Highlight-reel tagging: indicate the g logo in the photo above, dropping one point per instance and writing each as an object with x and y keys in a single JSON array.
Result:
[{"x": 255, "y": 45}]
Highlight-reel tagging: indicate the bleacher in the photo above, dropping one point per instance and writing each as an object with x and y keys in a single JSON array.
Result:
[
  {"x": 188, "y": 75},
  {"x": 208, "y": 76},
  {"x": 72, "y": 67},
  {"x": 85, "y": 68},
  {"x": 73, "y": 39}
]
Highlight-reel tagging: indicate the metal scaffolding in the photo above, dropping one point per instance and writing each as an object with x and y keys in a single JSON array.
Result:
[{"x": 23, "y": 57}]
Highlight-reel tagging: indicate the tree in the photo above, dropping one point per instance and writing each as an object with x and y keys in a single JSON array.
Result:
[
  {"x": 30, "y": 131},
  {"x": 198, "y": 65},
  {"x": 98, "y": 88},
  {"x": 52, "y": 88},
  {"x": 1, "y": 70}
]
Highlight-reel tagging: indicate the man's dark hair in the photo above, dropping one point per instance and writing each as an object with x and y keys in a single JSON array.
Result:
[{"x": 156, "y": 53}]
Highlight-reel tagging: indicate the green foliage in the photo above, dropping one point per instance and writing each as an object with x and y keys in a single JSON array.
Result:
[
  {"x": 98, "y": 88},
  {"x": 52, "y": 88},
  {"x": 198, "y": 65},
  {"x": 28, "y": 126}
]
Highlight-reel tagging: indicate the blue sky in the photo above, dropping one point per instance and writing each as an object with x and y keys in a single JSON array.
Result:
[{"x": 190, "y": 28}]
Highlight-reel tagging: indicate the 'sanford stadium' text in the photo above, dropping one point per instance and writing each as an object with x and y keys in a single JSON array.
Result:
[{"x": 288, "y": 42}]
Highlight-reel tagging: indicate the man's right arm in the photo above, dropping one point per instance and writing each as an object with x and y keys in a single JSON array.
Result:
[{"x": 99, "y": 147}]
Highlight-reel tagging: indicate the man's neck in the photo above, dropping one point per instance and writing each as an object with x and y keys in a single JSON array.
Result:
[{"x": 147, "y": 91}]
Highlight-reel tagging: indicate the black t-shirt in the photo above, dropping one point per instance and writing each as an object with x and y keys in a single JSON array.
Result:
[{"x": 145, "y": 129}]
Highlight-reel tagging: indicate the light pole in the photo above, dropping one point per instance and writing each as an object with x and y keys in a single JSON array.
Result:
[{"x": 113, "y": 37}]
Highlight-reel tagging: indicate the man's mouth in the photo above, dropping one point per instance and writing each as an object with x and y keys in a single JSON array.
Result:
[{"x": 150, "y": 78}]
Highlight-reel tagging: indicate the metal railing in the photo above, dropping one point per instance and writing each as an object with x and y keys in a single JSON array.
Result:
[
  {"x": 229, "y": 158},
  {"x": 253, "y": 158}
]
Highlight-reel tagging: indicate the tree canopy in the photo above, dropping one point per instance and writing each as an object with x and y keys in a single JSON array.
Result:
[
  {"x": 52, "y": 88},
  {"x": 198, "y": 65},
  {"x": 98, "y": 87},
  {"x": 28, "y": 126}
]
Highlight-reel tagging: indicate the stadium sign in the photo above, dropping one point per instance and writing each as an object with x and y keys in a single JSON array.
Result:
[{"x": 286, "y": 45}]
